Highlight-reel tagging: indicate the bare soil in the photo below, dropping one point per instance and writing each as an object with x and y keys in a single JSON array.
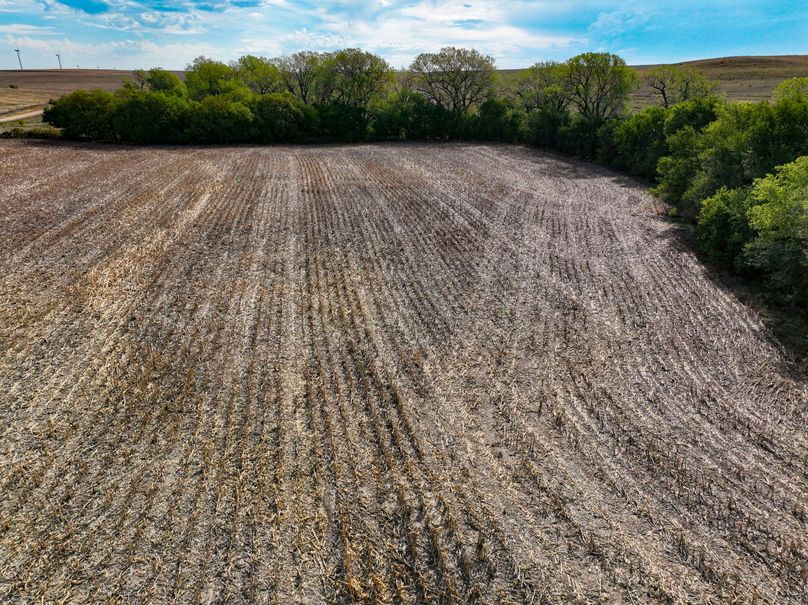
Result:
[{"x": 379, "y": 374}]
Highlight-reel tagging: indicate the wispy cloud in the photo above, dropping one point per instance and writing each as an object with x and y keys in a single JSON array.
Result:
[
  {"x": 133, "y": 33},
  {"x": 620, "y": 21},
  {"x": 24, "y": 29}
]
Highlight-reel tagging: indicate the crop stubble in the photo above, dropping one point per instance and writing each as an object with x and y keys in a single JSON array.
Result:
[{"x": 388, "y": 373}]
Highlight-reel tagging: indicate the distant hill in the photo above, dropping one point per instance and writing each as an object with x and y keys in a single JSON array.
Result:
[
  {"x": 739, "y": 78},
  {"x": 34, "y": 87}
]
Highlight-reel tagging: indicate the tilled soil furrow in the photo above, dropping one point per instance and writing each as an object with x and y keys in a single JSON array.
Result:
[{"x": 398, "y": 373}]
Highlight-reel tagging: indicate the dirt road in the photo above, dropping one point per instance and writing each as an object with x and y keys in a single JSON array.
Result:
[
  {"x": 23, "y": 115},
  {"x": 379, "y": 374}
]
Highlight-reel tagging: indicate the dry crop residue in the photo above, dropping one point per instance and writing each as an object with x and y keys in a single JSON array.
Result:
[{"x": 379, "y": 374}]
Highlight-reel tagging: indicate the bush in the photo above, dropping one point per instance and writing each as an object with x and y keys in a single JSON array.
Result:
[
  {"x": 499, "y": 120},
  {"x": 639, "y": 142},
  {"x": 32, "y": 132},
  {"x": 219, "y": 120},
  {"x": 779, "y": 218},
  {"x": 339, "y": 122},
  {"x": 83, "y": 114},
  {"x": 281, "y": 118},
  {"x": 150, "y": 117},
  {"x": 724, "y": 227},
  {"x": 579, "y": 136},
  {"x": 544, "y": 127},
  {"x": 409, "y": 115}
]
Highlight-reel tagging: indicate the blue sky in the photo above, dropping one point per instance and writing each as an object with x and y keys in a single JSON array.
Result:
[{"x": 170, "y": 33}]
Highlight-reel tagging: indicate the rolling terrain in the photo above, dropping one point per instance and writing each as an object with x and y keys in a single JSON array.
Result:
[
  {"x": 421, "y": 373},
  {"x": 739, "y": 78}
]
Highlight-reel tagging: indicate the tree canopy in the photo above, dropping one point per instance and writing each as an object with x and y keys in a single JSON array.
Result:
[
  {"x": 599, "y": 84},
  {"x": 677, "y": 84},
  {"x": 454, "y": 78}
]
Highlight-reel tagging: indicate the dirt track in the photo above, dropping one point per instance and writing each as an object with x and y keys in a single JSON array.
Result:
[
  {"x": 392, "y": 373},
  {"x": 23, "y": 115}
]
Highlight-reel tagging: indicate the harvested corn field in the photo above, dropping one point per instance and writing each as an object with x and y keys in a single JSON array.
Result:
[{"x": 379, "y": 374}]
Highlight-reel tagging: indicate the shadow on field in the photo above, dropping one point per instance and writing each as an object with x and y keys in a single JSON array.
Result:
[{"x": 787, "y": 326}]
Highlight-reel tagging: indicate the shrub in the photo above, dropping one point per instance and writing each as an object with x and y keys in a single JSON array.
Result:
[
  {"x": 409, "y": 115},
  {"x": 779, "y": 218},
  {"x": 544, "y": 127},
  {"x": 281, "y": 117},
  {"x": 83, "y": 114},
  {"x": 499, "y": 120},
  {"x": 724, "y": 227},
  {"x": 150, "y": 117},
  {"x": 579, "y": 136},
  {"x": 32, "y": 132},
  {"x": 219, "y": 119},
  {"x": 640, "y": 141},
  {"x": 341, "y": 122}
]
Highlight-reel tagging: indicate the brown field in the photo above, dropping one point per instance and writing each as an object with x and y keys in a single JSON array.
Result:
[
  {"x": 379, "y": 374},
  {"x": 35, "y": 87}
]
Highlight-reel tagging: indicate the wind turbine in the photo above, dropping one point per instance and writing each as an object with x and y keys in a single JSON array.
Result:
[
  {"x": 59, "y": 56},
  {"x": 17, "y": 50}
]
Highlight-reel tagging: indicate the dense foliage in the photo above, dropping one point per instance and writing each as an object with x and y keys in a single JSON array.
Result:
[{"x": 713, "y": 162}]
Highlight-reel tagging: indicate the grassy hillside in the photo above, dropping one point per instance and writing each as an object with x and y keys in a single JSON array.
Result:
[{"x": 739, "y": 78}]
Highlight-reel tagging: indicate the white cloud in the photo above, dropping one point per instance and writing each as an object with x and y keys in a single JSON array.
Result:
[
  {"x": 617, "y": 22},
  {"x": 123, "y": 54},
  {"x": 23, "y": 29},
  {"x": 428, "y": 25}
]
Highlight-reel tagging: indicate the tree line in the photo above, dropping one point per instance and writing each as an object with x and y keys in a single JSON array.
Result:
[{"x": 736, "y": 170}]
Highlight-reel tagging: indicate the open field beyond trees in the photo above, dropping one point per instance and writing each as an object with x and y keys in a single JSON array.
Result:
[
  {"x": 402, "y": 373},
  {"x": 739, "y": 78}
]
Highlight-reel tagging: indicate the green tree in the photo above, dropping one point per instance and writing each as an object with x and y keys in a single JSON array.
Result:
[
  {"x": 206, "y": 78},
  {"x": 219, "y": 119},
  {"x": 142, "y": 116},
  {"x": 793, "y": 89},
  {"x": 281, "y": 118},
  {"x": 260, "y": 75},
  {"x": 355, "y": 77},
  {"x": 723, "y": 226},
  {"x": 299, "y": 73},
  {"x": 407, "y": 114},
  {"x": 779, "y": 218},
  {"x": 83, "y": 114},
  {"x": 456, "y": 79},
  {"x": 683, "y": 126},
  {"x": 544, "y": 86},
  {"x": 599, "y": 84},
  {"x": 499, "y": 119},
  {"x": 640, "y": 141},
  {"x": 676, "y": 84},
  {"x": 161, "y": 80},
  {"x": 747, "y": 141}
]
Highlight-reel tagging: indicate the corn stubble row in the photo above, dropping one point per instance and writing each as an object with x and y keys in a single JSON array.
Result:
[{"x": 379, "y": 374}]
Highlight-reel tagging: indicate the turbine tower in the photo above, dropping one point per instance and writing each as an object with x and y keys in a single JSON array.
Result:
[
  {"x": 17, "y": 50},
  {"x": 59, "y": 57}
]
